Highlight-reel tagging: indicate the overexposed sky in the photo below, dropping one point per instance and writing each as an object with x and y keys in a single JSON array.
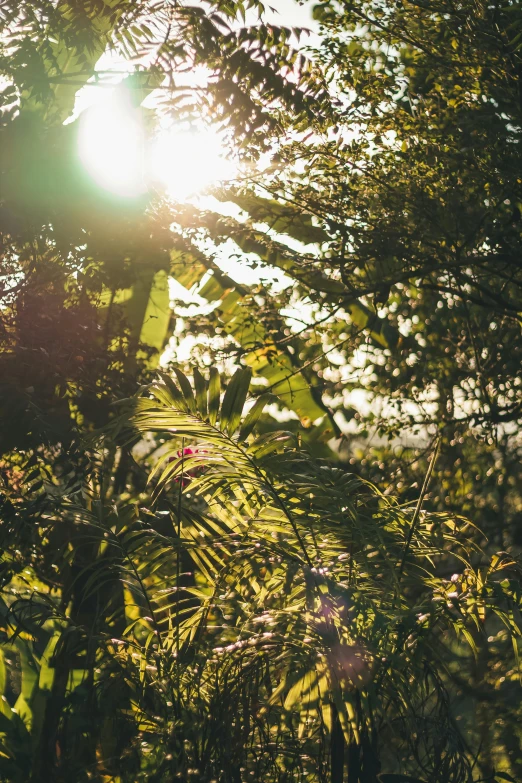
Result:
[
  {"x": 289, "y": 13},
  {"x": 107, "y": 157}
]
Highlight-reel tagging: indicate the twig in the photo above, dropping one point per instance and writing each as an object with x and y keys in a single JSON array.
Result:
[{"x": 416, "y": 515}]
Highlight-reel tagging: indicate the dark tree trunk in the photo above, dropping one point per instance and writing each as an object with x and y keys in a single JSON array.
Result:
[{"x": 337, "y": 749}]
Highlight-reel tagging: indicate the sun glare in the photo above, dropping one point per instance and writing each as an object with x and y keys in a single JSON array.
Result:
[
  {"x": 119, "y": 156},
  {"x": 112, "y": 144},
  {"x": 188, "y": 161}
]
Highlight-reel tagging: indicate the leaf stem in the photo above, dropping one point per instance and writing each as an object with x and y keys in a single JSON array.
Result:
[{"x": 416, "y": 515}]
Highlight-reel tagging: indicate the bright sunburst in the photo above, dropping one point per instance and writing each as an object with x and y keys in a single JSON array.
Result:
[
  {"x": 188, "y": 161},
  {"x": 123, "y": 159}
]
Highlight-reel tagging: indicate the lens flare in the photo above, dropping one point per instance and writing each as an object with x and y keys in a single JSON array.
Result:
[
  {"x": 186, "y": 162},
  {"x": 122, "y": 158},
  {"x": 112, "y": 146}
]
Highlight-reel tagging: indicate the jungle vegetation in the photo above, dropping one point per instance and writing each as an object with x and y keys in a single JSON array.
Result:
[{"x": 264, "y": 531}]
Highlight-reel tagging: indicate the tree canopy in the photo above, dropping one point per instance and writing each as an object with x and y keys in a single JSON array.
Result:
[{"x": 263, "y": 530}]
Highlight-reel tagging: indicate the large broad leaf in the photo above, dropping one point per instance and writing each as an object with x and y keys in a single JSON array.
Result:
[
  {"x": 156, "y": 317},
  {"x": 214, "y": 392},
  {"x": 234, "y": 400},
  {"x": 200, "y": 386},
  {"x": 276, "y": 254},
  {"x": 254, "y": 415},
  {"x": 69, "y": 59},
  {"x": 302, "y": 268},
  {"x": 281, "y": 218},
  {"x": 262, "y": 355},
  {"x": 144, "y": 308}
]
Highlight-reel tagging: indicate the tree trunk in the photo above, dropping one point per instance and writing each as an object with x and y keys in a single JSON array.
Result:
[{"x": 337, "y": 749}]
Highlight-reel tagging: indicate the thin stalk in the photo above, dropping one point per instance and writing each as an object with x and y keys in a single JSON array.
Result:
[
  {"x": 178, "y": 570},
  {"x": 414, "y": 521}
]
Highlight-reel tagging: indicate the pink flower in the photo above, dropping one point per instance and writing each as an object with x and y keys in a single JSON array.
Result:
[{"x": 188, "y": 475}]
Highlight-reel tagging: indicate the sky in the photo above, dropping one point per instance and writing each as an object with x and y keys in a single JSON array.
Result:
[
  {"x": 290, "y": 13},
  {"x": 104, "y": 129}
]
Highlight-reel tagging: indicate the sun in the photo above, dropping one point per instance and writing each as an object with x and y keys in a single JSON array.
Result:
[
  {"x": 125, "y": 159},
  {"x": 111, "y": 145},
  {"x": 187, "y": 161}
]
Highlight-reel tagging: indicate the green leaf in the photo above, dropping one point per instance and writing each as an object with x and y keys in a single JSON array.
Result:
[
  {"x": 254, "y": 415},
  {"x": 186, "y": 268},
  {"x": 156, "y": 318},
  {"x": 72, "y": 59},
  {"x": 234, "y": 400},
  {"x": 214, "y": 394},
  {"x": 271, "y": 442},
  {"x": 200, "y": 385},
  {"x": 3, "y": 673},
  {"x": 186, "y": 390},
  {"x": 177, "y": 399},
  {"x": 282, "y": 218}
]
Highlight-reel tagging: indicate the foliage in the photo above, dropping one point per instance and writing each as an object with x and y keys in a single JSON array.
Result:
[
  {"x": 78, "y": 262},
  {"x": 391, "y": 207},
  {"x": 257, "y": 602},
  {"x": 407, "y": 211}
]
